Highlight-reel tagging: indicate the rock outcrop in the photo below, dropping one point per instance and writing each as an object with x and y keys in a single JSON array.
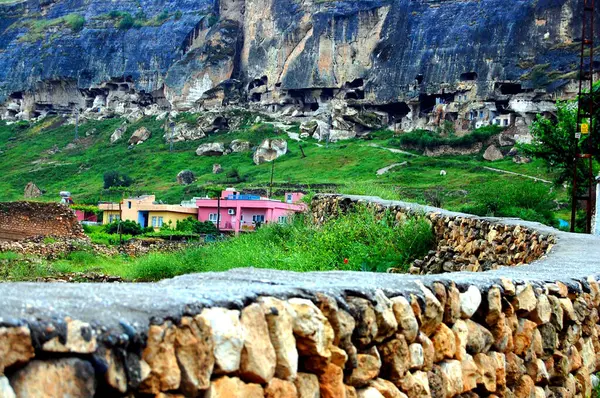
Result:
[
  {"x": 211, "y": 149},
  {"x": 367, "y": 64},
  {"x": 32, "y": 191},
  {"x": 186, "y": 177},
  {"x": 492, "y": 153},
  {"x": 139, "y": 136}
]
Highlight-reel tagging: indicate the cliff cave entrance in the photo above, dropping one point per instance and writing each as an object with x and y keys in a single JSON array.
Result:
[
  {"x": 468, "y": 76},
  {"x": 508, "y": 88}
]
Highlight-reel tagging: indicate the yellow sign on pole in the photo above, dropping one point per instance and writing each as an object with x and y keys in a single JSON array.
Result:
[{"x": 585, "y": 128}]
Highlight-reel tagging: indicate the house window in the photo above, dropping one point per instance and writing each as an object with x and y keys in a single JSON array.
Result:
[
  {"x": 258, "y": 218},
  {"x": 113, "y": 218},
  {"x": 160, "y": 222},
  {"x": 481, "y": 114},
  {"x": 282, "y": 219},
  {"x": 129, "y": 204},
  {"x": 212, "y": 217},
  {"x": 505, "y": 122},
  {"x": 154, "y": 222},
  {"x": 289, "y": 198}
]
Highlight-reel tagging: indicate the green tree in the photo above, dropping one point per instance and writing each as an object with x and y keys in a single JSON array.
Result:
[
  {"x": 115, "y": 179},
  {"x": 554, "y": 140}
]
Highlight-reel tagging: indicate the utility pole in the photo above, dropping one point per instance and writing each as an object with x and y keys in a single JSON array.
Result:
[
  {"x": 597, "y": 206},
  {"x": 219, "y": 213},
  {"x": 172, "y": 133},
  {"x": 76, "y": 123},
  {"x": 271, "y": 183},
  {"x": 585, "y": 127}
]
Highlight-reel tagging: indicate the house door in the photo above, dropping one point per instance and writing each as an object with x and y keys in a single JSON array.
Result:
[{"x": 143, "y": 218}]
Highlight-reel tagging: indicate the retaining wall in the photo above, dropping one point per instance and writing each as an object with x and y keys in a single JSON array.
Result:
[
  {"x": 521, "y": 331},
  {"x": 21, "y": 220}
]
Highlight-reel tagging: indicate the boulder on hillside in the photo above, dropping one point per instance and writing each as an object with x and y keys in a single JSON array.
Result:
[
  {"x": 492, "y": 153},
  {"x": 239, "y": 146},
  {"x": 322, "y": 131},
  {"x": 140, "y": 135},
  {"x": 338, "y": 135},
  {"x": 213, "y": 122},
  {"x": 308, "y": 127},
  {"x": 185, "y": 132},
  {"x": 521, "y": 159},
  {"x": 217, "y": 169},
  {"x": 32, "y": 191},
  {"x": 211, "y": 149},
  {"x": 269, "y": 150},
  {"x": 186, "y": 177},
  {"x": 118, "y": 133}
]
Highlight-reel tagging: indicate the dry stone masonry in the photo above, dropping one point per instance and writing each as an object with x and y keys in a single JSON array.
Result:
[
  {"x": 523, "y": 331},
  {"x": 20, "y": 220}
]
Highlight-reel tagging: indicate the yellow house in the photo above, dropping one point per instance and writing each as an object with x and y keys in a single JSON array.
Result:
[{"x": 145, "y": 211}]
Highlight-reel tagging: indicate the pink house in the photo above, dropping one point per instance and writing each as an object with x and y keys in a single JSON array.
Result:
[{"x": 246, "y": 212}]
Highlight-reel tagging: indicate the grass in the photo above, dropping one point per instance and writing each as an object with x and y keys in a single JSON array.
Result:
[
  {"x": 358, "y": 241},
  {"x": 38, "y": 28},
  {"x": 347, "y": 166}
]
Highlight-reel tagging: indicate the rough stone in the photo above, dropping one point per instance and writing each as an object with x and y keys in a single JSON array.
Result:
[
  {"x": 258, "y": 358},
  {"x": 68, "y": 377},
  {"x": 277, "y": 388},
  {"x": 269, "y": 150},
  {"x": 280, "y": 319},
  {"x": 159, "y": 354},
  {"x": 525, "y": 300},
  {"x": 395, "y": 357},
  {"x": 469, "y": 302},
  {"x": 415, "y": 385},
  {"x": 444, "y": 343},
  {"x": 80, "y": 339},
  {"x": 227, "y": 335},
  {"x": 369, "y": 365},
  {"x": 118, "y": 133},
  {"x": 492, "y": 153},
  {"x": 139, "y": 136},
  {"x": 313, "y": 332},
  {"x": 6, "y": 390},
  {"x": 15, "y": 347},
  {"x": 366, "y": 320},
  {"x": 386, "y": 320},
  {"x": 211, "y": 149},
  {"x": 331, "y": 382},
  {"x": 194, "y": 350},
  {"x": 479, "y": 338},
  {"x": 386, "y": 388},
  {"x": 307, "y": 385},
  {"x": 239, "y": 146},
  {"x": 32, "y": 191},
  {"x": 233, "y": 387},
  {"x": 186, "y": 177},
  {"x": 405, "y": 317}
]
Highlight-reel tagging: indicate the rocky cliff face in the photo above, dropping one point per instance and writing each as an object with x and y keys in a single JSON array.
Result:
[{"x": 369, "y": 63}]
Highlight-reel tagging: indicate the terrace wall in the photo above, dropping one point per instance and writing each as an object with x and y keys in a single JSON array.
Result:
[{"x": 530, "y": 330}]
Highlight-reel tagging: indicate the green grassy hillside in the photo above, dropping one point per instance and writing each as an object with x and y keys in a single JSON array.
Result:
[{"x": 349, "y": 166}]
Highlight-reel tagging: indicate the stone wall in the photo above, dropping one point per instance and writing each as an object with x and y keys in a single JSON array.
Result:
[
  {"x": 20, "y": 220},
  {"x": 463, "y": 242},
  {"x": 524, "y": 331}
]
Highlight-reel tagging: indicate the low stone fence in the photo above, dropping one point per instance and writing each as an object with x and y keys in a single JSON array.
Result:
[
  {"x": 21, "y": 220},
  {"x": 463, "y": 242},
  {"x": 522, "y": 331}
]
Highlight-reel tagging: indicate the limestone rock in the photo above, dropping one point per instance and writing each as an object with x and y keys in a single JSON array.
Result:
[
  {"x": 369, "y": 365},
  {"x": 494, "y": 305},
  {"x": 386, "y": 320},
  {"x": 523, "y": 336},
  {"x": 350, "y": 392},
  {"x": 444, "y": 343},
  {"x": 68, "y": 377},
  {"x": 80, "y": 339},
  {"x": 115, "y": 375},
  {"x": 211, "y": 149},
  {"x": 118, "y": 133},
  {"x": 417, "y": 356},
  {"x": 186, "y": 177},
  {"x": 432, "y": 314},
  {"x": 405, "y": 317},
  {"x": 470, "y": 373},
  {"x": 470, "y": 301},
  {"x": 395, "y": 357},
  {"x": 233, "y": 387},
  {"x": 307, "y": 385},
  {"x": 280, "y": 319},
  {"x": 313, "y": 332},
  {"x": 452, "y": 372},
  {"x": 428, "y": 351},
  {"x": 331, "y": 382},
  {"x": 525, "y": 300},
  {"x": 194, "y": 349},
  {"x": 336, "y": 135},
  {"x": 139, "y": 136},
  {"x": 486, "y": 366},
  {"x": 15, "y": 346},
  {"x": 239, "y": 146},
  {"x": 6, "y": 390},
  {"x": 322, "y": 131},
  {"x": 217, "y": 169},
  {"x": 415, "y": 385},
  {"x": 227, "y": 334},
  {"x": 386, "y": 388},
  {"x": 258, "y": 358},
  {"x": 308, "y": 127},
  {"x": 452, "y": 308},
  {"x": 366, "y": 320},
  {"x": 492, "y": 153},
  {"x": 184, "y": 132},
  {"x": 461, "y": 333},
  {"x": 278, "y": 388},
  {"x": 32, "y": 191},
  {"x": 269, "y": 150},
  {"x": 480, "y": 339},
  {"x": 160, "y": 355}
]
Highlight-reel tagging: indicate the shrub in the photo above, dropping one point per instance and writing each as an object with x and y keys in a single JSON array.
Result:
[
  {"x": 178, "y": 15},
  {"x": 192, "y": 225},
  {"x": 422, "y": 139},
  {"x": 75, "y": 22},
  {"x": 163, "y": 16},
  {"x": 116, "y": 179},
  {"x": 126, "y": 22},
  {"x": 126, "y": 227}
]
